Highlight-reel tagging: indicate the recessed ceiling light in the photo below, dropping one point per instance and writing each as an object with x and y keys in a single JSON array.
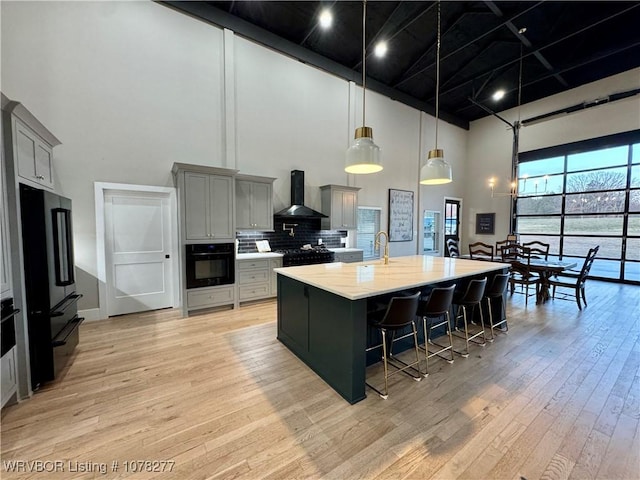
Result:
[
  {"x": 381, "y": 49},
  {"x": 499, "y": 95},
  {"x": 326, "y": 19}
]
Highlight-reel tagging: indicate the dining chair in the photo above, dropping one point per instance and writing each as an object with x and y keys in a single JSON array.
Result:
[
  {"x": 452, "y": 248},
  {"x": 400, "y": 313},
  {"x": 576, "y": 281},
  {"x": 521, "y": 273},
  {"x": 538, "y": 249},
  {"x": 500, "y": 244},
  {"x": 481, "y": 251}
]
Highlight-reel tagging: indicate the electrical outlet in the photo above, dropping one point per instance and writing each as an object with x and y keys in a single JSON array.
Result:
[{"x": 319, "y": 241}]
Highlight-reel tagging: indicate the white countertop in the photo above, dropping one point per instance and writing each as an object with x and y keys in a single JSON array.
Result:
[
  {"x": 367, "y": 279},
  {"x": 345, "y": 250},
  {"x": 257, "y": 256}
]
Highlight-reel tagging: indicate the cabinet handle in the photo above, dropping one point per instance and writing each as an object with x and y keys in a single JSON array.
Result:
[{"x": 40, "y": 177}]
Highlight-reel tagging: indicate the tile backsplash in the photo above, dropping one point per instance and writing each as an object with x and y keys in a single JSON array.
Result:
[{"x": 307, "y": 230}]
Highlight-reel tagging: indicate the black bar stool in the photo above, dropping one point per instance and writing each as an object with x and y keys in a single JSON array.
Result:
[
  {"x": 496, "y": 291},
  {"x": 471, "y": 299},
  {"x": 400, "y": 313},
  {"x": 436, "y": 306}
]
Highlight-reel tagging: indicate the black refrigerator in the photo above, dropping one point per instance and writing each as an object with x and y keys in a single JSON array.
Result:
[{"x": 51, "y": 298}]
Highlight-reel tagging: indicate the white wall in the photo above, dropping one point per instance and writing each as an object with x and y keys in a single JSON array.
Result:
[
  {"x": 131, "y": 87},
  {"x": 490, "y": 142}
]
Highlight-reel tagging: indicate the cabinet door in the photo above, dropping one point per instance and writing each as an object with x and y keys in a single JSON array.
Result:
[
  {"x": 349, "y": 210},
  {"x": 243, "y": 204},
  {"x": 44, "y": 170},
  {"x": 34, "y": 157},
  {"x": 222, "y": 211},
  {"x": 337, "y": 213},
  {"x": 261, "y": 206},
  {"x": 197, "y": 206},
  {"x": 25, "y": 152}
]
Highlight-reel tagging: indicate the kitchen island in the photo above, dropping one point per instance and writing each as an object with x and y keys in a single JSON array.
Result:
[{"x": 322, "y": 309}]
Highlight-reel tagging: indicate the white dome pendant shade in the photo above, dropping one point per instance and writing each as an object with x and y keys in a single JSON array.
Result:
[
  {"x": 363, "y": 156},
  {"x": 436, "y": 171}
]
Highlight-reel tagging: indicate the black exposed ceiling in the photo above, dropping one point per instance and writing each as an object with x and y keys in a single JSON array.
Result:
[{"x": 566, "y": 44}]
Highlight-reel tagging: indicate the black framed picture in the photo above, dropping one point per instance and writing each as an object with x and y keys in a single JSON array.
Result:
[
  {"x": 400, "y": 215},
  {"x": 485, "y": 223}
]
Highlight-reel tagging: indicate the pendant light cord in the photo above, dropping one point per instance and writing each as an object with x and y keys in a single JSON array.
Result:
[
  {"x": 438, "y": 74},
  {"x": 364, "y": 54}
]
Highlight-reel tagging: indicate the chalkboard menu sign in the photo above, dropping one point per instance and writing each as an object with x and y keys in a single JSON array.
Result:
[
  {"x": 400, "y": 215},
  {"x": 485, "y": 223}
]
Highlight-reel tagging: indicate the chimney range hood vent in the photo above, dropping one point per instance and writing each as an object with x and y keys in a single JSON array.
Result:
[{"x": 297, "y": 208}]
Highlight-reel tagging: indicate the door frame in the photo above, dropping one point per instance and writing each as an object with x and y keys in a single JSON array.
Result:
[
  {"x": 100, "y": 190},
  {"x": 444, "y": 219}
]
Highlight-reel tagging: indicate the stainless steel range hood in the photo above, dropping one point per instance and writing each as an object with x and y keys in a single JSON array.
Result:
[{"x": 297, "y": 208}]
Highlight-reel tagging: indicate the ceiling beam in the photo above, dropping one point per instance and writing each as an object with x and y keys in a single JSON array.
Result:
[
  {"x": 525, "y": 41},
  {"x": 459, "y": 49},
  {"x": 592, "y": 59},
  {"x": 430, "y": 48},
  {"x": 550, "y": 44}
]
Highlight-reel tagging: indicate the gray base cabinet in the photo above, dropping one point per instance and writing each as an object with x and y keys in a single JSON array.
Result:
[
  {"x": 8, "y": 375},
  {"x": 199, "y": 298},
  {"x": 256, "y": 278},
  {"x": 348, "y": 257}
]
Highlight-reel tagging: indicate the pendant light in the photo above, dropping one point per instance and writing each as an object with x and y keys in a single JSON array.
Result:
[
  {"x": 363, "y": 156},
  {"x": 436, "y": 171}
]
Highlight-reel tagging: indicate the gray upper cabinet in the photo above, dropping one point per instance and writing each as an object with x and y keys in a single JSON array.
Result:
[
  {"x": 340, "y": 203},
  {"x": 34, "y": 157},
  {"x": 207, "y": 195},
  {"x": 254, "y": 203},
  {"x": 29, "y": 146}
]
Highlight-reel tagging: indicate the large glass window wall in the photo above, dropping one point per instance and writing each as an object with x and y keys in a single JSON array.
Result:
[{"x": 580, "y": 195}]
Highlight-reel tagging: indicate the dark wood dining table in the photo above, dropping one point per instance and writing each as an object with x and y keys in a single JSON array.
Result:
[{"x": 544, "y": 268}]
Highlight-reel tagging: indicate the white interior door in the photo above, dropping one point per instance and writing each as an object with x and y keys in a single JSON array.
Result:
[{"x": 138, "y": 236}]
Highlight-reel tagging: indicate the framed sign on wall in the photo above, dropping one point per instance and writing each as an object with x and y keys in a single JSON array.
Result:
[
  {"x": 485, "y": 223},
  {"x": 400, "y": 215}
]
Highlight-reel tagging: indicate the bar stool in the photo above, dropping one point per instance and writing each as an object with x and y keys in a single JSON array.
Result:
[
  {"x": 436, "y": 306},
  {"x": 400, "y": 313},
  {"x": 496, "y": 290},
  {"x": 471, "y": 298}
]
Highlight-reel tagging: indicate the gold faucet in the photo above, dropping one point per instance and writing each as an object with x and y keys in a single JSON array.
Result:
[{"x": 386, "y": 245}]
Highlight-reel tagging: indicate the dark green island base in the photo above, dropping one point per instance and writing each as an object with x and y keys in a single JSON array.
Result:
[{"x": 329, "y": 332}]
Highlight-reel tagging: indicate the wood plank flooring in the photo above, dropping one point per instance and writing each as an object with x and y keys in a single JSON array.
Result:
[{"x": 558, "y": 397}]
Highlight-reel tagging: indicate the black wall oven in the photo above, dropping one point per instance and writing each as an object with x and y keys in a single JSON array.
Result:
[{"x": 210, "y": 265}]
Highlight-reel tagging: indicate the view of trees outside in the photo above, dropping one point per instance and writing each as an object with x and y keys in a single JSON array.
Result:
[{"x": 594, "y": 184}]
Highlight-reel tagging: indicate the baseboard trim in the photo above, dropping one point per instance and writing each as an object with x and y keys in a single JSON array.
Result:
[{"x": 90, "y": 315}]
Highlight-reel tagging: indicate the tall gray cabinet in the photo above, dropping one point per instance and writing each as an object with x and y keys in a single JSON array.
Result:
[{"x": 206, "y": 197}]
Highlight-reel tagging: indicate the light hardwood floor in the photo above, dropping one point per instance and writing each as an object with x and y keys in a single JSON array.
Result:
[{"x": 556, "y": 397}]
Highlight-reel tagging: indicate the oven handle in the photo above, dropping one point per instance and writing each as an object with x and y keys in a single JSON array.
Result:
[{"x": 226, "y": 254}]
